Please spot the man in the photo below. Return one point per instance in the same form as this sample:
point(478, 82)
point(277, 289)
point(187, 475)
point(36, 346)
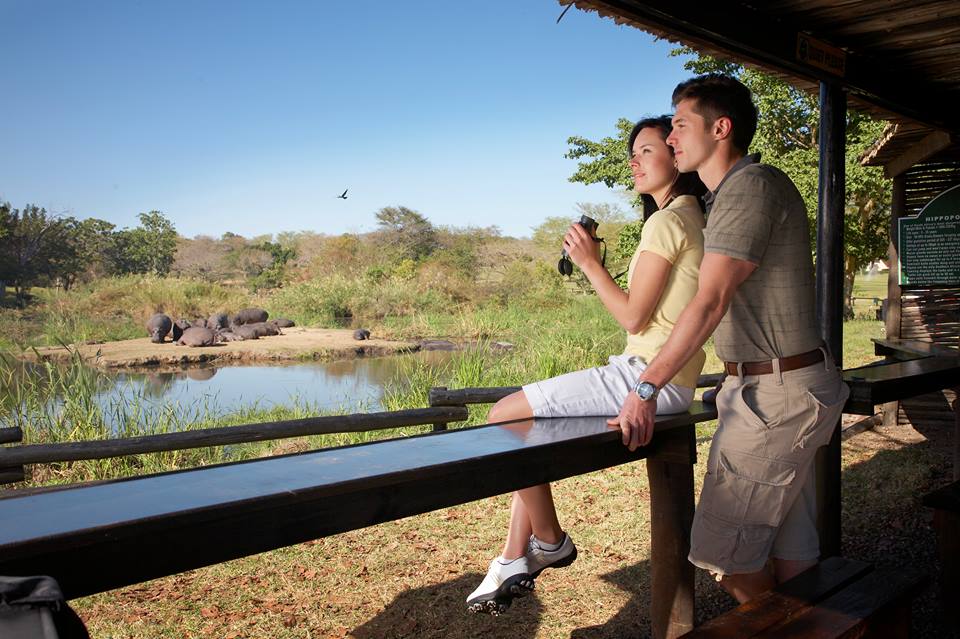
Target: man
point(755, 524)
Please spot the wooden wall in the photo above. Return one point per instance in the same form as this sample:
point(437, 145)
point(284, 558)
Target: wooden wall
point(924, 314)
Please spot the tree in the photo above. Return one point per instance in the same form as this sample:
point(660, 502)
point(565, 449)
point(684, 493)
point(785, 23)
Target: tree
point(272, 275)
point(149, 248)
point(406, 233)
point(90, 243)
point(786, 138)
point(31, 243)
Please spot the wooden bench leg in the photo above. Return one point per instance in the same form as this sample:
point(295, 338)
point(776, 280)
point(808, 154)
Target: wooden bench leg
point(671, 515)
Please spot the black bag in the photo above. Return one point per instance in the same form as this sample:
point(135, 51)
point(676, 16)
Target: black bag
point(34, 608)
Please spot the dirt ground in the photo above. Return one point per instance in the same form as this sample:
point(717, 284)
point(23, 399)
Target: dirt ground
point(409, 578)
point(294, 344)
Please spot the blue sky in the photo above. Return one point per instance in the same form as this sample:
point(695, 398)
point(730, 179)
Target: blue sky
point(251, 117)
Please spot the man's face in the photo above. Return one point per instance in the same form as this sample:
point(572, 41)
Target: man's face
point(690, 138)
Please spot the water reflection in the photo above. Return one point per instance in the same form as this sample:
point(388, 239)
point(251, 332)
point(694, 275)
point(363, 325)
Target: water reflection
point(353, 385)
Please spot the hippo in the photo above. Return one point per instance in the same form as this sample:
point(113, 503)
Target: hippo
point(277, 325)
point(217, 321)
point(196, 336)
point(249, 316)
point(283, 322)
point(361, 334)
point(179, 327)
point(201, 374)
point(158, 326)
point(227, 335)
point(263, 329)
point(201, 323)
point(245, 332)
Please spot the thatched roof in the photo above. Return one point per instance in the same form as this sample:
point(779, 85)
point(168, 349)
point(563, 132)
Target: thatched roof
point(897, 59)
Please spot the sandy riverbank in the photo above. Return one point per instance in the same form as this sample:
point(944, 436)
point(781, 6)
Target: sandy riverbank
point(294, 344)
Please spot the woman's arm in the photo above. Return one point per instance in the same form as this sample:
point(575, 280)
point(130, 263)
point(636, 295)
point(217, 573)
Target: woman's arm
point(631, 310)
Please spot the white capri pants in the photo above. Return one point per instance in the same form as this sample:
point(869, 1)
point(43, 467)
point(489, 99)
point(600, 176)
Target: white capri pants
point(600, 391)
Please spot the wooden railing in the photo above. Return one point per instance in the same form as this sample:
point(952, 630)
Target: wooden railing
point(14, 458)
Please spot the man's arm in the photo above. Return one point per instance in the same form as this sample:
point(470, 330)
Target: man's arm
point(720, 277)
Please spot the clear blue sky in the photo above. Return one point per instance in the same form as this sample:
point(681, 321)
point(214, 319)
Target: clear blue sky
point(252, 117)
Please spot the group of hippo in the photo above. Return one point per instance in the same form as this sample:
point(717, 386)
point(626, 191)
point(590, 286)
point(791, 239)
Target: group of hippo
point(250, 323)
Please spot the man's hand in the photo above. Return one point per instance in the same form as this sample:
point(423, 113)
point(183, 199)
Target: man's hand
point(636, 420)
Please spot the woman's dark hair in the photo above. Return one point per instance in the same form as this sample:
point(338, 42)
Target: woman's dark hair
point(686, 184)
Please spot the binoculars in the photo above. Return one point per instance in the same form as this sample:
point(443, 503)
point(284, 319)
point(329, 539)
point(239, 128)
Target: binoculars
point(565, 266)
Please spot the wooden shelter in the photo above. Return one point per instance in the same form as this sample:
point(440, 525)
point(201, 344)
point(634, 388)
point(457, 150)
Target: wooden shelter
point(923, 163)
point(895, 60)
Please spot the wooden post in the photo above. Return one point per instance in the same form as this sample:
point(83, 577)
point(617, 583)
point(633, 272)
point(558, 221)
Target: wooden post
point(956, 434)
point(438, 426)
point(830, 214)
point(891, 322)
point(671, 516)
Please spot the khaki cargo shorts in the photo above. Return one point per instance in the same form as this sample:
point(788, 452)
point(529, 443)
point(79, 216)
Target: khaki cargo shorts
point(759, 497)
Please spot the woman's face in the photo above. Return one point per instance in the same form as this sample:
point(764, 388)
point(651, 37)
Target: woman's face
point(651, 162)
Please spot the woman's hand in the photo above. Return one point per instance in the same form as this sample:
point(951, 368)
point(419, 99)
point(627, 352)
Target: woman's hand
point(581, 247)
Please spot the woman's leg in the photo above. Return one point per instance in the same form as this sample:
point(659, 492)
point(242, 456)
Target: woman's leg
point(532, 509)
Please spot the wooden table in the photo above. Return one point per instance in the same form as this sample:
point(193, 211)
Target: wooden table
point(98, 537)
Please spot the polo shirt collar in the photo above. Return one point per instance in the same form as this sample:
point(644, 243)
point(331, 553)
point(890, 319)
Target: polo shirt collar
point(745, 161)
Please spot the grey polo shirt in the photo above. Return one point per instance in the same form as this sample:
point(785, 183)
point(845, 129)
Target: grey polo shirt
point(757, 215)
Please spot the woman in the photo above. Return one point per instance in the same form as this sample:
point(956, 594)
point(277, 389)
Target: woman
point(662, 280)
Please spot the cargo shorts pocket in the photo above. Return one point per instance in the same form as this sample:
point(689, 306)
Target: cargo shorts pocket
point(743, 503)
point(826, 406)
point(751, 489)
point(762, 405)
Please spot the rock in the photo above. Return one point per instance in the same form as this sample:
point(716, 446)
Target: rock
point(438, 345)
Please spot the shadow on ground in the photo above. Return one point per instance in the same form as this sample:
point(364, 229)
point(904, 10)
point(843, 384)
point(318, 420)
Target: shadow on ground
point(439, 611)
point(884, 523)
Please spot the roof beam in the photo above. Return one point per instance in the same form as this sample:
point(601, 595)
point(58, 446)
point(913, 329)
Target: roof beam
point(752, 36)
point(922, 150)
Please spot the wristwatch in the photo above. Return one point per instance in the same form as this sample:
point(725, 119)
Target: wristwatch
point(646, 391)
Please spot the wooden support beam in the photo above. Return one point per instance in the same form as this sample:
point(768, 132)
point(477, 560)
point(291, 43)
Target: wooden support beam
point(925, 148)
point(749, 34)
point(671, 516)
point(830, 214)
point(892, 318)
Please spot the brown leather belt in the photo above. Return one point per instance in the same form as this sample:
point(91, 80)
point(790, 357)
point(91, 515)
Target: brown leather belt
point(786, 364)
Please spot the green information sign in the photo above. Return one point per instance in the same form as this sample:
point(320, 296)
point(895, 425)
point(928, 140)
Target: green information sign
point(929, 245)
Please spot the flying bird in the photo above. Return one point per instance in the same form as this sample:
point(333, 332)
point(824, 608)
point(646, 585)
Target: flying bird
point(343, 195)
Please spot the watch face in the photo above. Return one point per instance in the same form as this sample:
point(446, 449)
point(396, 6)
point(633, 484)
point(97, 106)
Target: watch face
point(646, 390)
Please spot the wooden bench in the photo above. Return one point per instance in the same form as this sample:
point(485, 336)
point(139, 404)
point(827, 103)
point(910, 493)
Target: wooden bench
point(945, 503)
point(837, 598)
point(882, 382)
point(93, 538)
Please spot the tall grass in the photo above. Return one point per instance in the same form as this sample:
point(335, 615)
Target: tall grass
point(112, 308)
point(58, 403)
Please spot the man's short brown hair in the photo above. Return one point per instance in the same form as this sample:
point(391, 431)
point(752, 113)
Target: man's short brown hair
point(717, 95)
